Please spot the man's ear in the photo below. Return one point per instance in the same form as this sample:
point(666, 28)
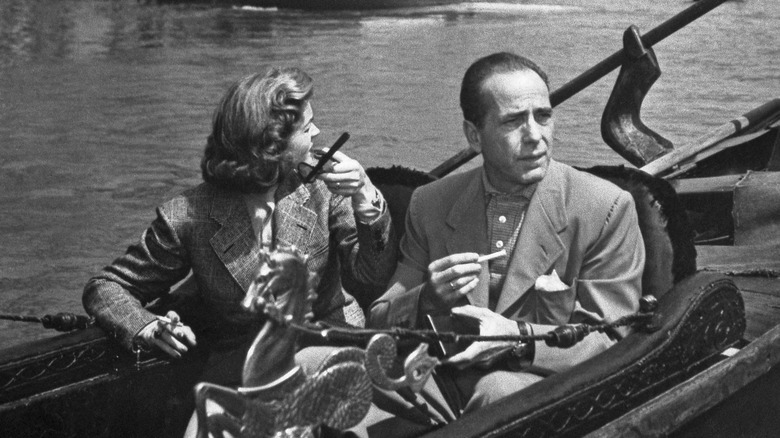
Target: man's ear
point(472, 136)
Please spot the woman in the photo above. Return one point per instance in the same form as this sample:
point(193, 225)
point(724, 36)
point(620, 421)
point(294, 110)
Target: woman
point(252, 199)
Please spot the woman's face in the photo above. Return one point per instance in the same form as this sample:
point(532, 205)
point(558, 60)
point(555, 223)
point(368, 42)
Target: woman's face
point(300, 143)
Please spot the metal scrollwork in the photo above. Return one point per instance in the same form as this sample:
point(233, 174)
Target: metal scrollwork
point(278, 399)
point(380, 355)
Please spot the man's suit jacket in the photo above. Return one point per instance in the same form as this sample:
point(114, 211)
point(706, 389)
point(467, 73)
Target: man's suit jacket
point(208, 231)
point(581, 226)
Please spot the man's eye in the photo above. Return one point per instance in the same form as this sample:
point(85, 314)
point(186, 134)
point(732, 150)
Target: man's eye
point(543, 118)
point(515, 121)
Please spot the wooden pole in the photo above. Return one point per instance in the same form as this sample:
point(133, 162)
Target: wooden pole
point(732, 127)
point(597, 72)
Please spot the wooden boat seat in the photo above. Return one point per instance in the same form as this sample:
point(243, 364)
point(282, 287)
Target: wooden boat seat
point(699, 315)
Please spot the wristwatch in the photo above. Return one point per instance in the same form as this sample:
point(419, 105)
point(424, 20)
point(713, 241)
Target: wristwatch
point(377, 201)
point(522, 353)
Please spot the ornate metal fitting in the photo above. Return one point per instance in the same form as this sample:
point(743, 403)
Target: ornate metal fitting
point(380, 355)
point(648, 303)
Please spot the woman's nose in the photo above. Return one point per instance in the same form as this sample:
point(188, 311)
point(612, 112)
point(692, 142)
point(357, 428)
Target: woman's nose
point(315, 131)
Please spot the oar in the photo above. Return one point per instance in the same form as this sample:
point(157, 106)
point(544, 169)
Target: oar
point(63, 321)
point(597, 72)
point(732, 127)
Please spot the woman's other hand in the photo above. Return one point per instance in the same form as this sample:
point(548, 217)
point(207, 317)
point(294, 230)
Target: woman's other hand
point(168, 334)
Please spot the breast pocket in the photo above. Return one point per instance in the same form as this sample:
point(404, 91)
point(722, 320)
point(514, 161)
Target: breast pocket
point(555, 307)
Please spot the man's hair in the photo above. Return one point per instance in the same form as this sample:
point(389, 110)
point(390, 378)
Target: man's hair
point(471, 101)
point(251, 129)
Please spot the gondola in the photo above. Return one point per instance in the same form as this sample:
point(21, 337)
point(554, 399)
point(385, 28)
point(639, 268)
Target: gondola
point(322, 5)
point(705, 364)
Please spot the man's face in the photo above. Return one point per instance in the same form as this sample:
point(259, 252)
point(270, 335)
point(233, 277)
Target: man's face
point(301, 140)
point(517, 131)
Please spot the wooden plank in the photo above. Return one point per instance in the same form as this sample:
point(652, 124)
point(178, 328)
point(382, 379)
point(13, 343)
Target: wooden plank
point(762, 312)
point(725, 144)
point(751, 412)
point(749, 259)
point(755, 272)
point(759, 285)
point(715, 184)
point(756, 210)
point(739, 124)
point(762, 303)
point(669, 411)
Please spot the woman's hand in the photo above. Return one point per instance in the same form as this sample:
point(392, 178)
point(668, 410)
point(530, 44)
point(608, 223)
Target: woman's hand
point(168, 334)
point(345, 176)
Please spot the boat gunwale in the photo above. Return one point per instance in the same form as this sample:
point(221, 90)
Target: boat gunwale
point(677, 406)
point(508, 416)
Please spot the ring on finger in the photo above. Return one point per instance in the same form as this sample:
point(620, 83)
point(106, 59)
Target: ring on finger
point(452, 285)
point(338, 184)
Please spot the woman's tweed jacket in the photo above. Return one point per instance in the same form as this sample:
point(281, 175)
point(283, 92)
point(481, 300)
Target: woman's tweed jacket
point(207, 231)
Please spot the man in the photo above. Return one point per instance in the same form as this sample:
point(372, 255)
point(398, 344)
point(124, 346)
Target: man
point(574, 249)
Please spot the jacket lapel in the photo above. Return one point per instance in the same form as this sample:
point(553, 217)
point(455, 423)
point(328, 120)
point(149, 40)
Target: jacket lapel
point(235, 243)
point(469, 232)
point(294, 222)
point(538, 245)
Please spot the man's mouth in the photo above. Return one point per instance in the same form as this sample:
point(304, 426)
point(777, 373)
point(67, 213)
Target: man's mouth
point(532, 158)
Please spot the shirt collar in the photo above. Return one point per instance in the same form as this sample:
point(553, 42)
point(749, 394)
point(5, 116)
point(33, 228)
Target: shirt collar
point(525, 192)
point(261, 199)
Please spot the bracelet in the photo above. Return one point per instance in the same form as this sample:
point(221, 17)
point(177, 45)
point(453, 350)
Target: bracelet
point(137, 347)
point(522, 353)
point(377, 202)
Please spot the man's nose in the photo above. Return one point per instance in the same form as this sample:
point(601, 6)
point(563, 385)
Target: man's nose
point(315, 131)
point(532, 131)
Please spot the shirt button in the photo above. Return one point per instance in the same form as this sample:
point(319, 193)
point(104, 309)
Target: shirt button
point(499, 244)
point(502, 219)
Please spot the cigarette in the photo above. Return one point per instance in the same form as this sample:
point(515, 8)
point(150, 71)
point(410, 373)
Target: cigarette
point(495, 255)
point(167, 320)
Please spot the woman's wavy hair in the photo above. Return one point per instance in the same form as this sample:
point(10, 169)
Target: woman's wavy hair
point(251, 129)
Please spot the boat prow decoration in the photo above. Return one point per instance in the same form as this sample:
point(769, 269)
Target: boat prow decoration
point(276, 395)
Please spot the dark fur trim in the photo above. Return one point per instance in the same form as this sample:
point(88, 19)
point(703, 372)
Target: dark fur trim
point(654, 192)
point(399, 175)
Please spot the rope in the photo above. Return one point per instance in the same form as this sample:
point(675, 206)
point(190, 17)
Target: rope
point(563, 336)
point(63, 322)
point(20, 318)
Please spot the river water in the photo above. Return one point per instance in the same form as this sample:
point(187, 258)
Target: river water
point(105, 104)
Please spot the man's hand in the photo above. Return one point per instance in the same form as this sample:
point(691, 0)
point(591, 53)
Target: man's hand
point(454, 276)
point(168, 334)
point(484, 354)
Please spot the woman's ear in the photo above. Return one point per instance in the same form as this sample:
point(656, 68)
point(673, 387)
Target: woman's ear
point(472, 136)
